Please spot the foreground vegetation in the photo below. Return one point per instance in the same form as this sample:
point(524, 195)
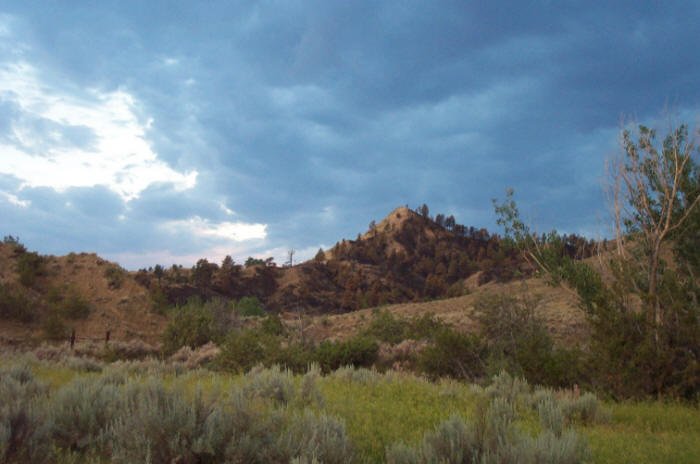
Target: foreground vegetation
point(81, 410)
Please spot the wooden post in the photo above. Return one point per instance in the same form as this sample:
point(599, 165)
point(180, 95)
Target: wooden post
point(72, 339)
point(106, 338)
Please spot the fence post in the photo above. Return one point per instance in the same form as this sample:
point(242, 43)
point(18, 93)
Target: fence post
point(72, 339)
point(107, 338)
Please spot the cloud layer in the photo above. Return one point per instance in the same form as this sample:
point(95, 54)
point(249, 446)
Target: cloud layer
point(174, 131)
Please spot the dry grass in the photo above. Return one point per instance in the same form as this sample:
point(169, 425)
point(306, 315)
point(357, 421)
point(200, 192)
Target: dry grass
point(556, 306)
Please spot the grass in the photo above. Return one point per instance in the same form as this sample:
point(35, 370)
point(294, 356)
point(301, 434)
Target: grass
point(392, 408)
point(653, 432)
point(382, 409)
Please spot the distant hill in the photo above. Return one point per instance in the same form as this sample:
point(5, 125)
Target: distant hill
point(408, 257)
point(40, 294)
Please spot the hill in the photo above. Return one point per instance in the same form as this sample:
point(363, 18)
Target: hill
point(409, 263)
point(49, 296)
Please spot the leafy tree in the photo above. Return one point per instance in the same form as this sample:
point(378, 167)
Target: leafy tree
point(645, 316)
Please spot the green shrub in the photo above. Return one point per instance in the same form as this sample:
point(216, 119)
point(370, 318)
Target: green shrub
point(190, 325)
point(293, 356)
point(115, 276)
point(518, 342)
point(273, 325)
point(74, 306)
point(426, 327)
point(387, 328)
point(54, 327)
point(453, 354)
point(244, 349)
point(30, 266)
point(15, 305)
point(358, 351)
point(159, 301)
point(249, 306)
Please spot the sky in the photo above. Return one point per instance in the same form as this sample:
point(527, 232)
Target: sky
point(162, 132)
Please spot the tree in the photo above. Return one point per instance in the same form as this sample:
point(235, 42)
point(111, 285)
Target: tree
point(423, 210)
point(202, 273)
point(290, 257)
point(644, 312)
point(650, 201)
point(440, 219)
point(320, 256)
point(159, 272)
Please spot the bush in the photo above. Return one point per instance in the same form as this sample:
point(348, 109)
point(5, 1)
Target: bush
point(294, 356)
point(53, 327)
point(387, 328)
point(244, 349)
point(15, 305)
point(24, 432)
point(493, 437)
point(30, 265)
point(312, 438)
point(273, 325)
point(518, 342)
point(80, 412)
point(249, 306)
point(309, 394)
point(115, 276)
point(155, 425)
point(455, 355)
point(358, 351)
point(272, 383)
point(74, 306)
point(159, 301)
point(191, 325)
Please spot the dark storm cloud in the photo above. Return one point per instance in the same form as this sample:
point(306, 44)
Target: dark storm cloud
point(315, 117)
